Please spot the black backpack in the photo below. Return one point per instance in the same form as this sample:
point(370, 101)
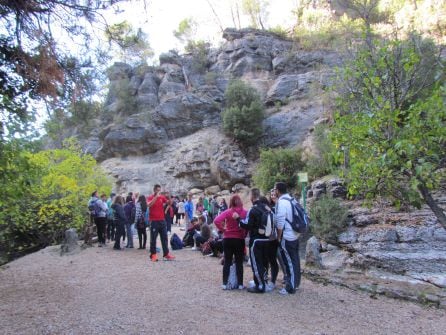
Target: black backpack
point(301, 221)
point(267, 226)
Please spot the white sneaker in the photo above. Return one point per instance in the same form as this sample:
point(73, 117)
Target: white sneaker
point(269, 287)
point(283, 291)
point(241, 287)
point(224, 287)
point(194, 248)
point(251, 283)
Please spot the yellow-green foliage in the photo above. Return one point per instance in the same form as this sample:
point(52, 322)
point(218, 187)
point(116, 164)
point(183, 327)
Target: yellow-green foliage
point(52, 198)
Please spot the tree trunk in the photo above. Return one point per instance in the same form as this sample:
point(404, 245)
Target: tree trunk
point(438, 211)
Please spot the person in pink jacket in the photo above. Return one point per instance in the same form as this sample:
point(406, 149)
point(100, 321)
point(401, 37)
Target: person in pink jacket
point(233, 239)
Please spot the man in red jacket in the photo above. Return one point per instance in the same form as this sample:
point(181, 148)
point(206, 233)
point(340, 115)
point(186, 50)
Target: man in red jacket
point(158, 224)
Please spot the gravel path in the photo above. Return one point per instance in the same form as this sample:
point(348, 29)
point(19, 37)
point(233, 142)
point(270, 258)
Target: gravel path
point(102, 291)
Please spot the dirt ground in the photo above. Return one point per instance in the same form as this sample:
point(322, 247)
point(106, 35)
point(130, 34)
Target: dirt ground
point(103, 291)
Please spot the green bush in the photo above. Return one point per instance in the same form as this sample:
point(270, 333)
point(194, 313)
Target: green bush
point(244, 113)
point(328, 218)
point(278, 165)
point(43, 194)
point(321, 162)
point(199, 51)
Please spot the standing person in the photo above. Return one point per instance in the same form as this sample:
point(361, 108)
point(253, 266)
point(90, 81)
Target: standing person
point(199, 207)
point(189, 210)
point(180, 212)
point(128, 210)
point(156, 202)
point(213, 208)
point(110, 219)
point(233, 238)
point(223, 206)
point(206, 204)
point(101, 219)
point(140, 222)
point(288, 239)
point(120, 220)
point(169, 213)
point(259, 244)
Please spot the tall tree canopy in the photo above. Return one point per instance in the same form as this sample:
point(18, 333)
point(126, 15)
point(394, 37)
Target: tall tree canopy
point(37, 60)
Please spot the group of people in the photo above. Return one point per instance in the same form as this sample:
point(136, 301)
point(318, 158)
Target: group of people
point(115, 219)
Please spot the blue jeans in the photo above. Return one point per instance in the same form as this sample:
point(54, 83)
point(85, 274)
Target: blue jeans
point(158, 227)
point(128, 228)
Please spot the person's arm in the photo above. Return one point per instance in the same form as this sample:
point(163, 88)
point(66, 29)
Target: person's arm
point(137, 213)
point(280, 218)
point(248, 222)
point(218, 221)
point(153, 200)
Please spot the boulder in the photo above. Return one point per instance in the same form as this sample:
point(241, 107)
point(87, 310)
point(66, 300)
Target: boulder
point(312, 255)
point(212, 189)
point(70, 244)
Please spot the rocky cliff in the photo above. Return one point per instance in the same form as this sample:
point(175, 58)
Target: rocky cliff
point(162, 124)
point(401, 254)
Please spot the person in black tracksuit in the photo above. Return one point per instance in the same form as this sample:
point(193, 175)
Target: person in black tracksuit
point(259, 244)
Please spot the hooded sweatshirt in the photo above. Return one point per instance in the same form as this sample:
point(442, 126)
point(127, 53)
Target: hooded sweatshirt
point(231, 229)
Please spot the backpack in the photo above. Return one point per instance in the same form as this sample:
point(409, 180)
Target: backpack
point(301, 221)
point(175, 242)
point(93, 208)
point(267, 226)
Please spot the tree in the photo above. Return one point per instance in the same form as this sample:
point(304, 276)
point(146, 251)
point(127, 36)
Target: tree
point(134, 47)
point(187, 28)
point(37, 62)
point(257, 12)
point(278, 165)
point(43, 194)
point(244, 113)
point(392, 120)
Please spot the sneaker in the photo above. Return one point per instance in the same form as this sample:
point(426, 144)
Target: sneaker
point(194, 248)
point(169, 257)
point(270, 287)
point(100, 245)
point(251, 283)
point(283, 291)
point(224, 287)
point(154, 258)
point(241, 287)
point(254, 289)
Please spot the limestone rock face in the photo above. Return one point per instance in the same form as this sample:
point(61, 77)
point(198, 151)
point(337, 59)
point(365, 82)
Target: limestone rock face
point(204, 158)
point(150, 107)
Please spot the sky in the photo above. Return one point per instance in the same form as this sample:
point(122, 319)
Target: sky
point(161, 18)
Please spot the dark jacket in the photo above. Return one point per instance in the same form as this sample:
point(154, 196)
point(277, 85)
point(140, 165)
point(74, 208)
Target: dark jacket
point(128, 208)
point(254, 220)
point(120, 217)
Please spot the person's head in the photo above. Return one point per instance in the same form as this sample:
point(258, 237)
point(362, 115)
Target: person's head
point(223, 201)
point(142, 199)
point(194, 220)
point(200, 199)
point(280, 188)
point(130, 194)
point(129, 198)
point(94, 194)
point(255, 194)
point(112, 195)
point(118, 200)
point(189, 196)
point(103, 196)
point(264, 200)
point(235, 202)
point(272, 195)
point(157, 188)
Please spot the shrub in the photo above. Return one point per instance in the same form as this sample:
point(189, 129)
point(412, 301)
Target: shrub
point(244, 113)
point(199, 51)
point(321, 162)
point(278, 165)
point(44, 194)
point(328, 218)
